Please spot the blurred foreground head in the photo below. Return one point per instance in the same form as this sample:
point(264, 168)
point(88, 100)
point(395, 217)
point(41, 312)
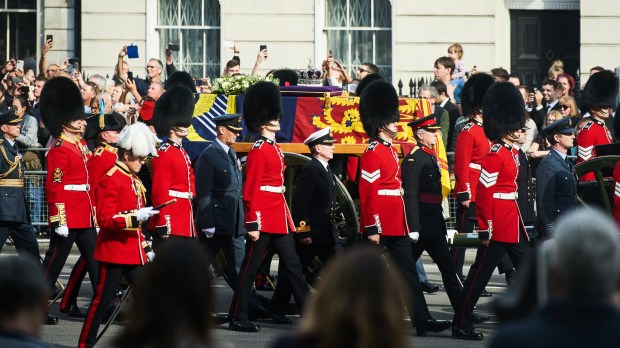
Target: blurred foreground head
point(359, 304)
point(172, 300)
point(585, 260)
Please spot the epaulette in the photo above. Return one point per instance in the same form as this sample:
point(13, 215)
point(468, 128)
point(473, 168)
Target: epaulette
point(496, 148)
point(588, 125)
point(98, 151)
point(58, 143)
point(414, 150)
point(468, 126)
point(258, 144)
point(164, 147)
point(1, 141)
point(111, 171)
point(111, 148)
point(372, 146)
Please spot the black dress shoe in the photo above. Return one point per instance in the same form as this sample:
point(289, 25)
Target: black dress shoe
point(485, 293)
point(466, 334)
point(280, 319)
point(219, 319)
point(428, 287)
point(50, 319)
point(432, 325)
point(73, 311)
point(243, 325)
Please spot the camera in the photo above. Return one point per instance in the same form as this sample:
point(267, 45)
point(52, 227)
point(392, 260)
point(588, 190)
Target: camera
point(198, 83)
point(24, 89)
point(173, 47)
point(73, 60)
point(130, 75)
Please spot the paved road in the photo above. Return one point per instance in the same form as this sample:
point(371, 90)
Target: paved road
point(66, 333)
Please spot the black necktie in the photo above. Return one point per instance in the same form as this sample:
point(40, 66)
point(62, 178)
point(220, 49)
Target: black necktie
point(330, 175)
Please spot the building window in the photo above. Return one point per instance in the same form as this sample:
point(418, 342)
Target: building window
point(18, 20)
point(360, 31)
point(195, 27)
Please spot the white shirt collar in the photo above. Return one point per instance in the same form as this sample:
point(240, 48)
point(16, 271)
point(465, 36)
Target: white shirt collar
point(444, 102)
point(325, 164)
point(224, 146)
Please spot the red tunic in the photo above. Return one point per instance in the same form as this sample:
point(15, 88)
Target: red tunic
point(381, 192)
point(119, 195)
point(173, 177)
point(102, 159)
point(497, 209)
point(265, 207)
point(472, 146)
point(594, 133)
point(69, 199)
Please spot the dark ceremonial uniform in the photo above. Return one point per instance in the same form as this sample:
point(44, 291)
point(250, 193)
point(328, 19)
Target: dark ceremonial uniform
point(266, 211)
point(616, 177)
point(314, 202)
point(422, 187)
point(383, 212)
point(219, 200)
point(120, 244)
point(102, 159)
point(594, 133)
point(70, 204)
point(556, 188)
point(173, 177)
point(472, 146)
point(14, 214)
point(499, 221)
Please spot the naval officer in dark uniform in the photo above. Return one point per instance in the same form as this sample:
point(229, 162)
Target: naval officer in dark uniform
point(314, 201)
point(14, 214)
point(218, 192)
point(556, 183)
point(422, 193)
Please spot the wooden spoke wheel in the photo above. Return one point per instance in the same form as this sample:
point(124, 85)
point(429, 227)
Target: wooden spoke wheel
point(600, 191)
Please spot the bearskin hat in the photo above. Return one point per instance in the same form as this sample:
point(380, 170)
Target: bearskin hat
point(504, 110)
point(601, 90)
point(473, 92)
point(182, 78)
point(286, 75)
point(174, 108)
point(378, 106)
point(60, 103)
point(262, 104)
point(365, 82)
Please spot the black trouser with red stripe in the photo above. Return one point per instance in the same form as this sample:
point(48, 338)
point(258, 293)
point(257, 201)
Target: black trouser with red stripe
point(480, 272)
point(254, 253)
point(60, 247)
point(72, 289)
point(110, 275)
point(401, 255)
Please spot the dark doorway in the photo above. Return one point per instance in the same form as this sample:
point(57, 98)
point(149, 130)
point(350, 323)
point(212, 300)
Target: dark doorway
point(537, 38)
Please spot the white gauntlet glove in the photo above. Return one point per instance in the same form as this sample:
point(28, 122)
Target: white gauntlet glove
point(414, 236)
point(145, 213)
point(151, 256)
point(62, 231)
point(209, 232)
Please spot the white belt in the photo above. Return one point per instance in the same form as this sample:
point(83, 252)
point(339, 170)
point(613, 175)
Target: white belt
point(387, 192)
point(83, 187)
point(274, 189)
point(475, 166)
point(507, 196)
point(178, 194)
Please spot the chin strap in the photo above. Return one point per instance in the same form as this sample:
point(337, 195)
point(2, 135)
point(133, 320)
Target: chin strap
point(388, 131)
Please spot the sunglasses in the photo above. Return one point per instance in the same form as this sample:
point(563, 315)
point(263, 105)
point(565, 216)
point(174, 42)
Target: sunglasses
point(564, 107)
point(523, 130)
